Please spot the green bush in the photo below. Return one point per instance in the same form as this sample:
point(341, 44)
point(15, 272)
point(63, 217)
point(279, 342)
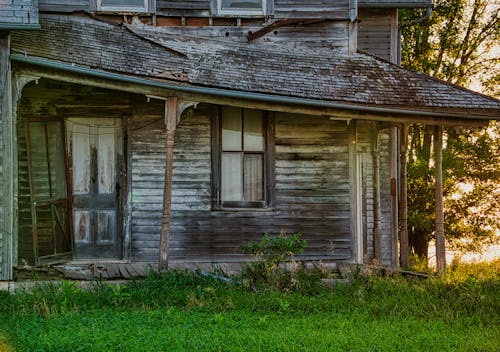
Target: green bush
point(275, 266)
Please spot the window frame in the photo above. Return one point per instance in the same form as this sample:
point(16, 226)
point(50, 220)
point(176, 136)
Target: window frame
point(268, 165)
point(147, 8)
point(266, 10)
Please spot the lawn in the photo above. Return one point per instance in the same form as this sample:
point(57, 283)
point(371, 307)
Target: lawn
point(187, 312)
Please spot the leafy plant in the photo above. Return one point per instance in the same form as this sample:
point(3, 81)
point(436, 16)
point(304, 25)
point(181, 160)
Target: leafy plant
point(275, 266)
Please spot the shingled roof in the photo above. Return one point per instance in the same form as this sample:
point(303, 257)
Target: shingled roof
point(147, 51)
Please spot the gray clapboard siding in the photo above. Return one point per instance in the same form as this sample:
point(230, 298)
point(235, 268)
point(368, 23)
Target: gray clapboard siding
point(377, 32)
point(64, 5)
point(312, 191)
point(329, 35)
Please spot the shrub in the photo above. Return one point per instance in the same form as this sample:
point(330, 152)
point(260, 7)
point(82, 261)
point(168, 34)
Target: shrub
point(275, 266)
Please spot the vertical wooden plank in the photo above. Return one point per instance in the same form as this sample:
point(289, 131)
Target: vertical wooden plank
point(7, 160)
point(170, 124)
point(394, 196)
point(404, 241)
point(438, 176)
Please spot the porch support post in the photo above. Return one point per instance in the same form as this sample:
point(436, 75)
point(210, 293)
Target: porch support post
point(438, 176)
point(377, 232)
point(404, 240)
point(170, 124)
point(394, 196)
point(6, 162)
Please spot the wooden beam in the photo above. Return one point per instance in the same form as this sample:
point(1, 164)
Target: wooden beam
point(170, 127)
point(403, 214)
point(438, 176)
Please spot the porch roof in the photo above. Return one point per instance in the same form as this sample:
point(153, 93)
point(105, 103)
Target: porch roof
point(358, 80)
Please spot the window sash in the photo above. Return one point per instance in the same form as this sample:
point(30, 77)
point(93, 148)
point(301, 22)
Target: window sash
point(241, 11)
point(102, 6)
point(251, 190)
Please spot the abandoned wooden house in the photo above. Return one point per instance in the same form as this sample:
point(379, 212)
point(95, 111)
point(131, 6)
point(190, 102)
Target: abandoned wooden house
point(174, 132)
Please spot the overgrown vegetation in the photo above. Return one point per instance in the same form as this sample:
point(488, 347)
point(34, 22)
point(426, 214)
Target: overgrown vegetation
point(186, 311)
point(275, 267)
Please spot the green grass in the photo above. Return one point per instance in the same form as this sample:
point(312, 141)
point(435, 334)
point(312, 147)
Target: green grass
point(185, 312)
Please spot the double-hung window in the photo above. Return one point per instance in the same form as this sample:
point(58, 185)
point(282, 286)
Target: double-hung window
point(124, 5)
point(242, 7)
point(242, 159)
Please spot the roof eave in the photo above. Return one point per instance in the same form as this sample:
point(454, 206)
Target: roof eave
point(246, 95)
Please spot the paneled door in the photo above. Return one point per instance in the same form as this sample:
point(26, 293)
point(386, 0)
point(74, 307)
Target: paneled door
point(96, 155)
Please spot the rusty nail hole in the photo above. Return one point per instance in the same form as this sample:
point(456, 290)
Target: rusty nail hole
point(275, 32)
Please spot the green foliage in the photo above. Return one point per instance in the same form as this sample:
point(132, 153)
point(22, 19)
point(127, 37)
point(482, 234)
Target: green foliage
point(188, 312)
point(455, 45)
point(274, 266)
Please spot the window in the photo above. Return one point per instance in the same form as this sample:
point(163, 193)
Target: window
point(241, 160)
point(242, 7)
point(123, 5)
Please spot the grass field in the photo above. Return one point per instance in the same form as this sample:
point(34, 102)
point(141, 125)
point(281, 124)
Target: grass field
point(186, 312)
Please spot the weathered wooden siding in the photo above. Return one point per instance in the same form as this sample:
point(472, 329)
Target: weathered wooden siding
point(377, 32)
point(18, 12)
point(326, 35)
point(312, 190)
point(4, 59)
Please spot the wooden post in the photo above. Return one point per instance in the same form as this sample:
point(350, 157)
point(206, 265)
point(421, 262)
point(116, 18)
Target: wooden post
point(438, 176)
point(7, 170)
point(394, 197)
point(404, 241)
point(170, 124)
point(377, 233)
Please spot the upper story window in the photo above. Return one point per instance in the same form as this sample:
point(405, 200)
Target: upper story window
point(242, 7)
point(123, 5)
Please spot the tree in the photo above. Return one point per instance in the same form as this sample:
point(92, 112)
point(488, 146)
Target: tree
point(455, 45)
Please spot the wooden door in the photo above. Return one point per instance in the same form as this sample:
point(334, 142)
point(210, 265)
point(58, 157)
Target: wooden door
point(48, 186)
point(96, 155)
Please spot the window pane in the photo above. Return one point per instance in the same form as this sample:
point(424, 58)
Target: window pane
point(231, 178)
point(106, 159)
point(81, 159)
point(254, 177)
point(123, 3)
point(231, 128)
point(241, 5)
point(254, 136)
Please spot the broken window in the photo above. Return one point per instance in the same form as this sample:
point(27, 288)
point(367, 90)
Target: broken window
point(242, 158)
